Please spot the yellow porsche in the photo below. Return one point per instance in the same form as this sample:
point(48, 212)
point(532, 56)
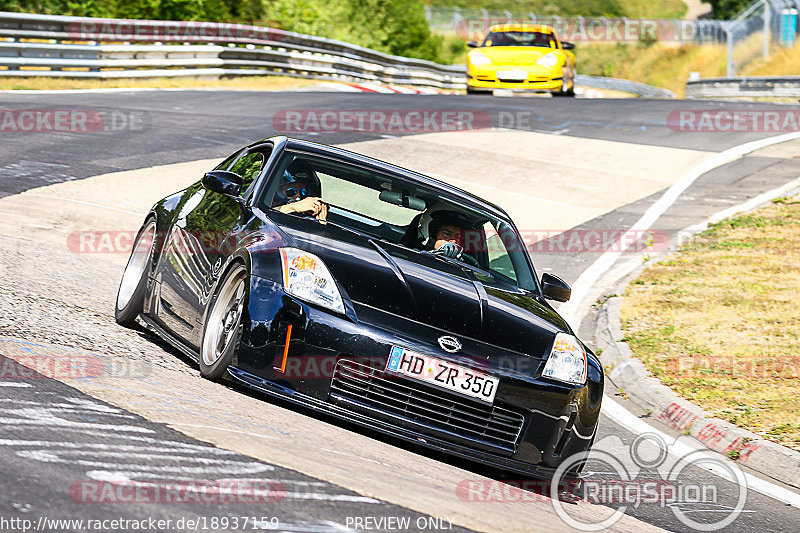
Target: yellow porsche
point(521, 57)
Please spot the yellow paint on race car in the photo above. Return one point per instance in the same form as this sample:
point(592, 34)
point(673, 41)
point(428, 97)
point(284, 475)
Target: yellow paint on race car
point(521, 56)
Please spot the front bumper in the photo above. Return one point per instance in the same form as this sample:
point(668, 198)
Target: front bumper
point(552, 420)
point(535, 78)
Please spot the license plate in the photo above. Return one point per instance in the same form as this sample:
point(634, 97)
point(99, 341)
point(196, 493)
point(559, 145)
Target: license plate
point(442, 374)
point(512, 75)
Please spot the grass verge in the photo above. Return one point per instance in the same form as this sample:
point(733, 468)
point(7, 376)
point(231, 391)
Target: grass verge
point(718, 321)
point(668, 65)
point(254, 83)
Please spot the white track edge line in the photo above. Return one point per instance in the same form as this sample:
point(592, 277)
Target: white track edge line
point(612, 408)
point(628, 420)
point(603, 263)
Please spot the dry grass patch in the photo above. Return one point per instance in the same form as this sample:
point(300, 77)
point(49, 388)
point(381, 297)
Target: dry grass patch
point(718, 321)
point(254, 83)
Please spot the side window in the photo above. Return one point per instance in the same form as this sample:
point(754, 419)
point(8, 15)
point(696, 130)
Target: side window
point(248, 167)
point(499, 259)
point(228, 160)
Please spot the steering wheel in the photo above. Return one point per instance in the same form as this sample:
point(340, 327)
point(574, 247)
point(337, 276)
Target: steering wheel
point(468, 259)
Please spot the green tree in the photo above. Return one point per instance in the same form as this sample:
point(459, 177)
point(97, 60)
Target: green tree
point(727, 9)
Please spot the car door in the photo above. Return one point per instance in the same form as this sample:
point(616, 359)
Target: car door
point(196, 248)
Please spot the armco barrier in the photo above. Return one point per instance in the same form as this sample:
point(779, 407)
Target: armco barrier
point(80, 47)
point(744, 87)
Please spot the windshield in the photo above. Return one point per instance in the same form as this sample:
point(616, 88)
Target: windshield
point(390, 209)
point(520, 38)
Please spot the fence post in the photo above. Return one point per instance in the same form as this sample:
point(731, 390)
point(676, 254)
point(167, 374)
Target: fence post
point(731, 68)
point(767, 27)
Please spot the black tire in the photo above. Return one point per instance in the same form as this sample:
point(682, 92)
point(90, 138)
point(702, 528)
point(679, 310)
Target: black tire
point(223, 324)
point(477, 91)
point(568, 92)
point(132, 286)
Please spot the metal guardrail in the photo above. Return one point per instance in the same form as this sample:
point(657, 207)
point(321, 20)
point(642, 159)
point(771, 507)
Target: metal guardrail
point(78, 47)
point(627, 86)
point(196, 48)
point(744, 87)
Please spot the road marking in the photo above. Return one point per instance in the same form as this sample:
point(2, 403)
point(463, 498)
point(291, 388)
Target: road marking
point(611, 408)
point(602, 264)
point(752, 203)
point(13, 384)
point(628, 420)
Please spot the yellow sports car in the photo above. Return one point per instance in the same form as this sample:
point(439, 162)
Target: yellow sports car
point(521, 56)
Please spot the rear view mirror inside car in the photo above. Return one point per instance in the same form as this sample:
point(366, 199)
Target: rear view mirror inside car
point(401, 199)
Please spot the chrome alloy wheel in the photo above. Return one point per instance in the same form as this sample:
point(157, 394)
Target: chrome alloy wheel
point(225, 317)
point(137, 264)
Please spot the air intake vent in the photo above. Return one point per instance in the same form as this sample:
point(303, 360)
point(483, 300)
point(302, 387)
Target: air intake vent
point(427, 406)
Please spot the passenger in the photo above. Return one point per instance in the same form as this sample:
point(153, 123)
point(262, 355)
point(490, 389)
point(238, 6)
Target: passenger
point(300, 192)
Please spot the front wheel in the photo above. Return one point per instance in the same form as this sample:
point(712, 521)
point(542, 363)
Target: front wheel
point(223, 325)
point(130, 297)
point(566, 89)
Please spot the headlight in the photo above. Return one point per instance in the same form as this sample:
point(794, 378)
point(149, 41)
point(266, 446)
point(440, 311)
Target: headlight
point(478, 59)
point(547, 60)
point(567, 361)
point(306, 277)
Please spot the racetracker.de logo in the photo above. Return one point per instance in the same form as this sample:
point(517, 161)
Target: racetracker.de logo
point(380, 121)
point(598, 29)
point(727, 121)
point(169, 31)
point(69, 121)
point(202, 492)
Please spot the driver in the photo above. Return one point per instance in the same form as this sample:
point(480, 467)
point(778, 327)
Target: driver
point(300, 192)
point(443, 233)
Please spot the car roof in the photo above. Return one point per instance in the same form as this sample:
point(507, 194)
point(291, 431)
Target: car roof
point(523, 27)
point(404, 173)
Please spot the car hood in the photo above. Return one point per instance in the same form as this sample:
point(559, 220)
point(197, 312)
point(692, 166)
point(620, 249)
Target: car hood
point(423, 288)
point(515, 55)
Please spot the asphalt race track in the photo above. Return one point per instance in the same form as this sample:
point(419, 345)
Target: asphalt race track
point(58, 443)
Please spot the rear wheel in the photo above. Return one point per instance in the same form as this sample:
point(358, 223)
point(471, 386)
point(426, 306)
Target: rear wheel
point(130, 296)
point(223, 325)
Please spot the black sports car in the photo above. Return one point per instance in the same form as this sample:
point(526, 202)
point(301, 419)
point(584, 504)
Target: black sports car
point(374, 293)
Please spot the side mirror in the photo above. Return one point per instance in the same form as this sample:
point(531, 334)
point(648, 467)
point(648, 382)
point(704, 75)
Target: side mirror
point(555, 288)
point(567, 46)
point(223, 182)
point(473, 44)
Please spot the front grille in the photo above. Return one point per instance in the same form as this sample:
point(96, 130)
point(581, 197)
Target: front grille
point(420, 404)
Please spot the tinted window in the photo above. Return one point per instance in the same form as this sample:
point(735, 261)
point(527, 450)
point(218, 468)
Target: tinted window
point(249, 166)
point(228, 160)
point(520, 38)
point(390, 208)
